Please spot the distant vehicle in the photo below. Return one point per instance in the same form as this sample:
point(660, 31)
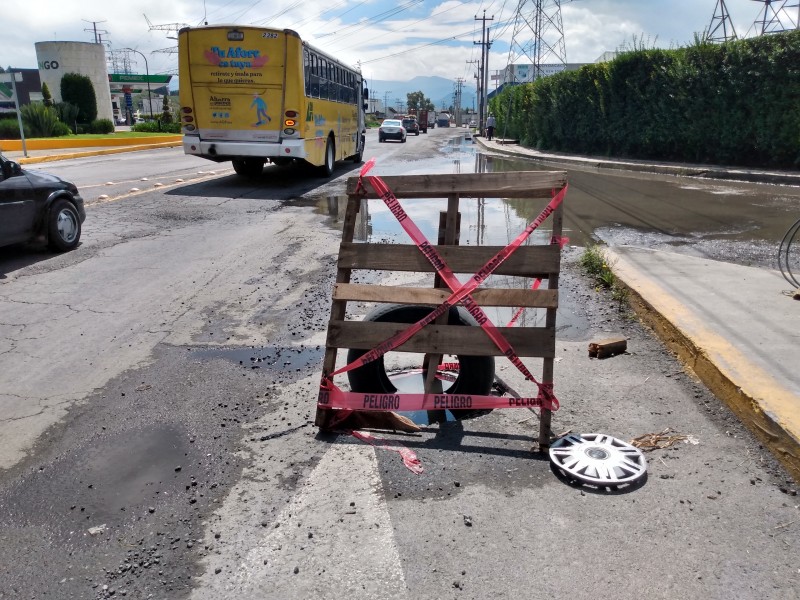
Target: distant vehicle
point(36, 205)
point(473, 124)
point(392, 129)
point(422, 119)
point(443, 120)
point(411, 125)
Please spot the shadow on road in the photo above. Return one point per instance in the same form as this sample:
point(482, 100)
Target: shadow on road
point(275, 183)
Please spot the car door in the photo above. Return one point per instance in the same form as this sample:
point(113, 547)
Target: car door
point(17, 205)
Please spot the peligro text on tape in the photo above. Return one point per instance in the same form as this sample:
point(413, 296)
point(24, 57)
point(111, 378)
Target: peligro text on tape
point(336, 398)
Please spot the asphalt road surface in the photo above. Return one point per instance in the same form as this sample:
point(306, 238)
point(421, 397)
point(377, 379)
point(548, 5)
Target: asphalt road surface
point(158, 388)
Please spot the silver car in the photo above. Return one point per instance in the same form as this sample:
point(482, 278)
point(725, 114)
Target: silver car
point(392, 129)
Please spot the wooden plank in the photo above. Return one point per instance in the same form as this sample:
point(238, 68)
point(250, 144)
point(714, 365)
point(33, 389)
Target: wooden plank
point(444, 339)
point(411, 295)
point(526, 261)
point(608, 347)
point(516, 184)
point(338, 307)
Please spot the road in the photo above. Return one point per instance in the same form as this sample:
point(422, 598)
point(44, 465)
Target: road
point(158, 389)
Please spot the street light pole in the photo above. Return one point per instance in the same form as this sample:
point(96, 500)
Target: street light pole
point(147, 72)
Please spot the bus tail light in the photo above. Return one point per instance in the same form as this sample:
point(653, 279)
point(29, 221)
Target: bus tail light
point(288, 131)
point(291, 114)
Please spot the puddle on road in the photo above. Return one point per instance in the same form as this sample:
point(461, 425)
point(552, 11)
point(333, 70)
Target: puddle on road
point(134, 467)
point(484, 222)
point(274, 358)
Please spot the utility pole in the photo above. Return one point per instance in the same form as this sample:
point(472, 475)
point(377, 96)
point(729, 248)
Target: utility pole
point(483, 70)
point(386, 104)
point(457, 100)
point(97, 32)
point(477, 87)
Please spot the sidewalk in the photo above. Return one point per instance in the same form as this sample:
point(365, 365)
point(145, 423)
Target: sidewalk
point(736, 327)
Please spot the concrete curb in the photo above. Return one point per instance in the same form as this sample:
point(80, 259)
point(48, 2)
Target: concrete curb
point(68, 143)
point(754, 405)
point(97, 152)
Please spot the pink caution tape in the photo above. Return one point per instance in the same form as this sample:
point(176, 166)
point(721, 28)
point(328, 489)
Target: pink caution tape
point(330, 396)
point(561, 241)
point(410, 459)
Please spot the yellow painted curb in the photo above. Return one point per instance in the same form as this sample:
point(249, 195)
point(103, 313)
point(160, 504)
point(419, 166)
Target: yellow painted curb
point(66, 142)
point(772, 430)
point(67, 155)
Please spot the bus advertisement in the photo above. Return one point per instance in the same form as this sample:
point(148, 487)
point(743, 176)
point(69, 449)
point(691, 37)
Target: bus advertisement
point(254, 95)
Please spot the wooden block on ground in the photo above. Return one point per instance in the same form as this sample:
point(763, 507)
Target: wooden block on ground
point(608, 347)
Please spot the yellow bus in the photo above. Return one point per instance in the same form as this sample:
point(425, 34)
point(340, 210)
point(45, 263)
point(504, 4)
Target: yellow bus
point(254, 95)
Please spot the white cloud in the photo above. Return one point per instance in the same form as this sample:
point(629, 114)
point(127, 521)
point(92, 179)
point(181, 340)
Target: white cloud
point(591, 27)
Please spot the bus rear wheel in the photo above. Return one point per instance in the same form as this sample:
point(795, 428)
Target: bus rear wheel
point(248, 167)
point(326, 170)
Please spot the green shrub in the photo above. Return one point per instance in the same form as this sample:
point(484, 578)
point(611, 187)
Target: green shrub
point(61, 129)
point(156, 127)
point(733, 103)
point(67, 113)
point(101, 126)
point(78, 90)
point(40, 119)
point(9, 129)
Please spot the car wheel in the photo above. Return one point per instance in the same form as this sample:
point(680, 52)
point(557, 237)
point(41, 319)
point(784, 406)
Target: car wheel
point(248, 167)
point(326, 170)
point(475, 375)
point(63, 226)
point(403, 139)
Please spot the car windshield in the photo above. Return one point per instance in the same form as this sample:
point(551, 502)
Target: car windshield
point(391, 123)
point(409, 121)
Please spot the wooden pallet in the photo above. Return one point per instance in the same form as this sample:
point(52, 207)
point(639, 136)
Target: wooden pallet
point(529, 261)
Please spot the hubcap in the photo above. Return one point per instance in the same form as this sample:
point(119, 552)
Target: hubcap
point(67, 226)
point(598, 459)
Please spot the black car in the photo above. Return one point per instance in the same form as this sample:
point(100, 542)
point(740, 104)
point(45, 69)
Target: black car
point(36, 205)
point(411, 125)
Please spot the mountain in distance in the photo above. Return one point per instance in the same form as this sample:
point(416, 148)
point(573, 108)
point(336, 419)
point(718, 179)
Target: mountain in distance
point(438, 89)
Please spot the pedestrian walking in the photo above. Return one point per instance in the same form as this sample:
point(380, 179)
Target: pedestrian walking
point(490, 127)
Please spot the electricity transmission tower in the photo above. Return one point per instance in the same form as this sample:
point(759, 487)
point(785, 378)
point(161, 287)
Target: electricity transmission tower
point(538, 38)
point(721, 27)
point(168, 27)
point(120, 62)
point(777, 16)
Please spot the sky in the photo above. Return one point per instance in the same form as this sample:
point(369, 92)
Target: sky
point(390, 39)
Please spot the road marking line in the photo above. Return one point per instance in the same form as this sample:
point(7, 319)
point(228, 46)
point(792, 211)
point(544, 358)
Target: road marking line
point(352, 552)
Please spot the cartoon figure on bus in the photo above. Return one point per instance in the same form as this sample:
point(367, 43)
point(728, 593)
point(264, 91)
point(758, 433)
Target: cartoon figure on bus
point(261, 110)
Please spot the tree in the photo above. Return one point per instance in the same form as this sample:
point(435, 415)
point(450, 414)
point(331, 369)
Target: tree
point(417, 101)
point(166, 112)
point(78, 90)
point(46, 95)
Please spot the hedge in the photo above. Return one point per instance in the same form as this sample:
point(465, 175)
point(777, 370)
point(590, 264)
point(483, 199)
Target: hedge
point(734, 103)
